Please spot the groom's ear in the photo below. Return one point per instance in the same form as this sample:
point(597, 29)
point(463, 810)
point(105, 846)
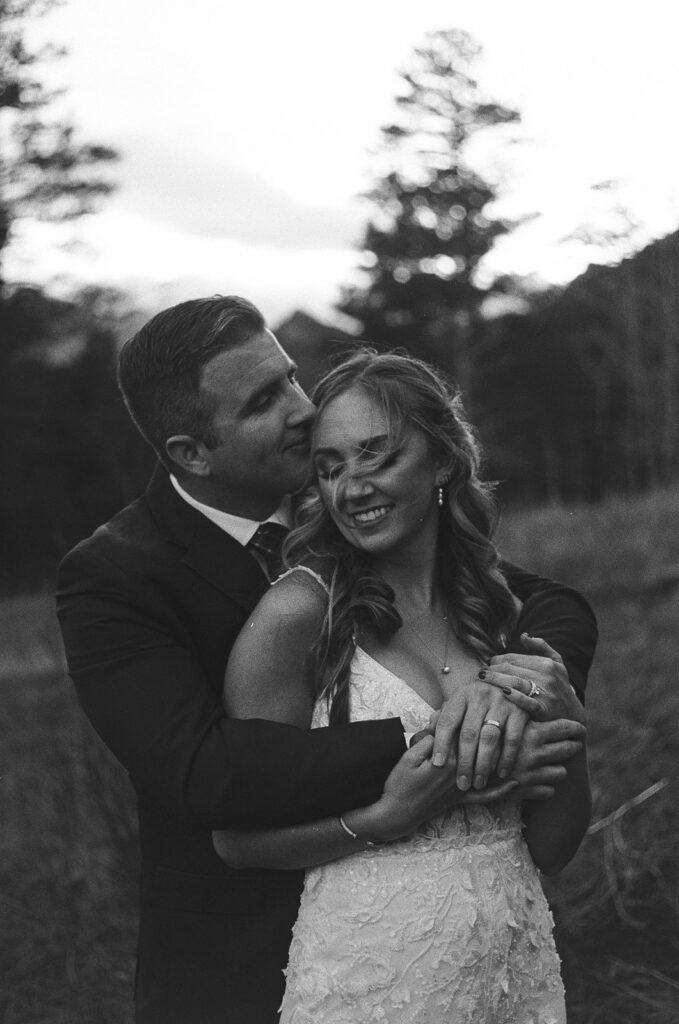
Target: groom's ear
point(188, 455)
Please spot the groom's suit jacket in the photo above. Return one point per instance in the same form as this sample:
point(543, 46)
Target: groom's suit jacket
point(149, 607)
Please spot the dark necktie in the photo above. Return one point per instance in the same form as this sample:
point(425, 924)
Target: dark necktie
point(267, 542)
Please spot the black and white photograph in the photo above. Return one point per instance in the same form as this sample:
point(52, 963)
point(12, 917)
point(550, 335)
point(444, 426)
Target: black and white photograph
point(339, 404)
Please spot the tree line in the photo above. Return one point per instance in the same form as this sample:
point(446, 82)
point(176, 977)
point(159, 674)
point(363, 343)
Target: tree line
point(578, 396)
point(575, 397)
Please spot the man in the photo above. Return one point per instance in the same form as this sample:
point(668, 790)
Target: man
point(150, 606)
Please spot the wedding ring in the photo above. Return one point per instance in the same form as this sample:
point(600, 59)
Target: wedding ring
point(533, 692)
point(491, 721)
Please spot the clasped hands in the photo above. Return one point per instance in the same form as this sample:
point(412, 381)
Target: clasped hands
point(491, 739)
point(481, 727)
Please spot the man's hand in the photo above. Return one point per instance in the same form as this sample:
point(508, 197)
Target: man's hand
point(536, 682)
point(546, 746)
point(416, 791)
point(481, 728)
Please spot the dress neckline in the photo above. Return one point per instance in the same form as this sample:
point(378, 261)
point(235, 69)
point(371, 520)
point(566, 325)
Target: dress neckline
point(392, 675)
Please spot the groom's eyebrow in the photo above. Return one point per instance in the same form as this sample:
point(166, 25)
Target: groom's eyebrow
point(274, 383)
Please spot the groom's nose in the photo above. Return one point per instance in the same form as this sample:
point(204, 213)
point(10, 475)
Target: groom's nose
point(302, 410)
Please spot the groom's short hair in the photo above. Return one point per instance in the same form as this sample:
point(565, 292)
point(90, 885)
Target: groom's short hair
point(159, 368)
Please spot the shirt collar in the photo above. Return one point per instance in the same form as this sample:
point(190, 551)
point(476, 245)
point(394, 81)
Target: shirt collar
point(242, 530)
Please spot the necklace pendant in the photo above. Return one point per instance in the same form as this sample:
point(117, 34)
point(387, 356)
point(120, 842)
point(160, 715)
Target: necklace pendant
point(445, 670)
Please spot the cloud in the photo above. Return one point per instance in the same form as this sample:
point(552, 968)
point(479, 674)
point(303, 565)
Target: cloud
point(159, 264)
point(214, 200)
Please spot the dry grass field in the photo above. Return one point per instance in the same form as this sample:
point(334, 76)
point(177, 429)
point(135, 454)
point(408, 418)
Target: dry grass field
point(67, 848)
point(617, 904)
point(67, 844)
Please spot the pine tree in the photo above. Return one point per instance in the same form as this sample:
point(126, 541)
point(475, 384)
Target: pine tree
point(431, 227)
point(45, 171)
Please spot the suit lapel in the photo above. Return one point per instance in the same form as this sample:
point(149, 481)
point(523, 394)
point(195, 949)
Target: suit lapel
point(209, 551)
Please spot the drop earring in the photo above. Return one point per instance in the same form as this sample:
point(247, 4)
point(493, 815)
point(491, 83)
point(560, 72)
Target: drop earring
point(440, 499)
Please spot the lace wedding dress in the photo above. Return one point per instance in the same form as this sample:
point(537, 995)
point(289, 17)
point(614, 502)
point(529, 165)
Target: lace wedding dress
point(448, 926)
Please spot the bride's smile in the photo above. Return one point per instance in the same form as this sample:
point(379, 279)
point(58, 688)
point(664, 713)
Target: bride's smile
point(380, 492)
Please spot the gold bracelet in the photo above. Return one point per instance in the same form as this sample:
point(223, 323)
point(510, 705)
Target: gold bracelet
point(354, 835)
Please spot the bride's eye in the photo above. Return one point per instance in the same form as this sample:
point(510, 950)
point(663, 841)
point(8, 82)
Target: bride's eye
point(329, 473)
point(390, 460)
point(387, 459)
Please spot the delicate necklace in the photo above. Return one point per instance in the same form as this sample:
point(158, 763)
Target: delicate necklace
point(445, 667)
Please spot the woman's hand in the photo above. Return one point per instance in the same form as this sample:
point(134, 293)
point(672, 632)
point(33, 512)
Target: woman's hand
point(536, 682)
point(416, 791)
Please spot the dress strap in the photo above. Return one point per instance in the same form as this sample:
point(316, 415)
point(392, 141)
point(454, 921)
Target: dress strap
point(310, 572)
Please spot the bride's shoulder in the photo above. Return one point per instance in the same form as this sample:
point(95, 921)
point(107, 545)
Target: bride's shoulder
point(304, 577)
point(298, 598)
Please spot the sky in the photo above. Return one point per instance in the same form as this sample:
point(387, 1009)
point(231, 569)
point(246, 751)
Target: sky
point(248, 131)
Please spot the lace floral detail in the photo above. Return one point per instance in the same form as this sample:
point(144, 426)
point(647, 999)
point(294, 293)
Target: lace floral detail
point(449, 926)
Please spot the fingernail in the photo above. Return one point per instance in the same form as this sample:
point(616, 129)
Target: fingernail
point(463, 782)
point(482, 674)
point(526, 636)
point(439, 760)
point(479, 782)
point(507, 690)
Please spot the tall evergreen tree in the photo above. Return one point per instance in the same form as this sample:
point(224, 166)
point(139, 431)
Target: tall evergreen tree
point(45, 171)
point(431, 227)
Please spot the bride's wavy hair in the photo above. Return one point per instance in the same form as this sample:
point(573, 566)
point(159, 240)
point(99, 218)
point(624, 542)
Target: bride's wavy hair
point(480, 607)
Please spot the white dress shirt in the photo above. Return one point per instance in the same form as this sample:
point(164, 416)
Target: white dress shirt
point(241, 529)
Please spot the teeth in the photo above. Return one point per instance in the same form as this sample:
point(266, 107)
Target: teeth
point(371, 515)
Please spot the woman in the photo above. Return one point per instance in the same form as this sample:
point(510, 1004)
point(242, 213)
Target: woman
point(395, 602)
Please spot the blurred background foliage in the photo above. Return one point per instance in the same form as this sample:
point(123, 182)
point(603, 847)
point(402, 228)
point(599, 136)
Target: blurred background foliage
point(575, 393)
